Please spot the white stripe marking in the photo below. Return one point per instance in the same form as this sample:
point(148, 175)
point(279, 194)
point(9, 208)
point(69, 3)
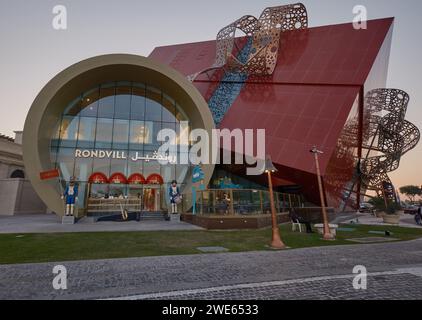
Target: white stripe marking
point(169, 294)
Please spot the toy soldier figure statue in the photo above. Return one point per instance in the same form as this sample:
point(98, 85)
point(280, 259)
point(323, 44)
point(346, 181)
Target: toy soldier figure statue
point(175, 196)
point(71, 196)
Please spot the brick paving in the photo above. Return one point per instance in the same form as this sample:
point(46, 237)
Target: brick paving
point(101, 279)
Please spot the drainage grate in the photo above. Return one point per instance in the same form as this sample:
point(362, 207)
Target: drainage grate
point(372, 240)
point(212, 249)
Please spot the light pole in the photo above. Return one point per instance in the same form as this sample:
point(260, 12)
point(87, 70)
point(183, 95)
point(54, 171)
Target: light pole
point(327, 234)
point(276, 242)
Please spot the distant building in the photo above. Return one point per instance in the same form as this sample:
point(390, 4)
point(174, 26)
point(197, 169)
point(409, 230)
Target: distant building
point(16, 193)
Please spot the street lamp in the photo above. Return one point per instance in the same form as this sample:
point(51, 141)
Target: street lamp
point(276, 242)
point(327, 233)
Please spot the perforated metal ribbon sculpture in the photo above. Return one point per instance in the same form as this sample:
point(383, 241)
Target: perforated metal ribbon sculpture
point(389, 137)
point(265, 33)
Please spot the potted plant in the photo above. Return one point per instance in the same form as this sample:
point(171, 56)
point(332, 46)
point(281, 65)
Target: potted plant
point(392, 215)
point(379, 206)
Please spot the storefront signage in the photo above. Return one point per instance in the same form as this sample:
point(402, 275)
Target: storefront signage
point(51, 174)
point(123, 155)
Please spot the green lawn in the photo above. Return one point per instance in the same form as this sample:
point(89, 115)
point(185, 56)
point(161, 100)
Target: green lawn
point(27, 248)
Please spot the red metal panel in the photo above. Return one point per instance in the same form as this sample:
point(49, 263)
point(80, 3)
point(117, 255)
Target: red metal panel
point(336, 54)
point(306, 102)
point(295, 119)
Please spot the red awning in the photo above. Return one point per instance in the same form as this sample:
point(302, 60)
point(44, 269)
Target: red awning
point(118, 178)
point(136, 178)
point(155, 179)
point(98, 178)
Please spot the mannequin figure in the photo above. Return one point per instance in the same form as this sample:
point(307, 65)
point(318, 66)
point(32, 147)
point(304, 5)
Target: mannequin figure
point(71, 196)
point(175, 196)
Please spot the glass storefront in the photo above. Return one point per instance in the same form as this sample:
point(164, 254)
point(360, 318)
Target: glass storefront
point(113, 129)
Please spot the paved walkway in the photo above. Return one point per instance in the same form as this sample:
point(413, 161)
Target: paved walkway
point(51, 224)
point(406, 220)
point(395, 272)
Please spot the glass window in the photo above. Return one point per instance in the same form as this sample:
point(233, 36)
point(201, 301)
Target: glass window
point(83, 169)
point(55, 140)
point(104, 133)
point(119, 165)
point(180, 114)
point(66, 160)
point(135, 166)
point(122, 117)
point(137, 110)
point(153, 104)
point(123, 100)
point(181, 172)
point(140, 134)
point(106, 103)
point(157, 129)
point(121, 134)
point(150, 168)
point(69, 131)
point(89, 103)
point(168, 172)
point(87, 128)
point(74, 107)
point(169, 110)
point(101, 165)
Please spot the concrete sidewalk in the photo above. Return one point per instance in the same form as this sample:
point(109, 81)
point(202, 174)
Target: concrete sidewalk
point(50, 223)
point(406, 220)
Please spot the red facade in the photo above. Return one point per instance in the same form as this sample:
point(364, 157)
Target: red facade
point(314, 97)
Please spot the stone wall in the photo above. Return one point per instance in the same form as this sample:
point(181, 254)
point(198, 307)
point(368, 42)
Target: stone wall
point(18, 197)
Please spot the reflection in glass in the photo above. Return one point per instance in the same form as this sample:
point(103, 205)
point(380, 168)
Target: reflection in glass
point(123, 98)
point(124, 117)
point(137, 109)
point(169, 109)
point(106, 104)
point(121, 134)
point(86, 136)
point(104, 133)
point(140, 133)
point(153, 104)
point(69, 131)
point(89, 103)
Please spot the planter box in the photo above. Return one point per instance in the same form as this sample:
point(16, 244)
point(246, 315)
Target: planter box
point(175, 217)
point(68, 220)
point(380, 214)
point(391, 218)
point(237, 222)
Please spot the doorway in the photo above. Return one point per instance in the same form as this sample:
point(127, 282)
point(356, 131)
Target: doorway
point(152, 198)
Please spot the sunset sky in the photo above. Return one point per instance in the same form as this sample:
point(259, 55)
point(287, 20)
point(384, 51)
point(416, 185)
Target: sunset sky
point(32, 52)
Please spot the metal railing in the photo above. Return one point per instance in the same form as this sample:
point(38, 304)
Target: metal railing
point(242, 202)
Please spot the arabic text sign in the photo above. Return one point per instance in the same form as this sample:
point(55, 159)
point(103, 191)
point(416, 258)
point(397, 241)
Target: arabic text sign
point(113, 154)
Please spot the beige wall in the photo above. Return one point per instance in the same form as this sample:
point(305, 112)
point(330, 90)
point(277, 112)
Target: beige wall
point(18, 197)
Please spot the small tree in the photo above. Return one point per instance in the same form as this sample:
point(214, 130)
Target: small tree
point(411, 192)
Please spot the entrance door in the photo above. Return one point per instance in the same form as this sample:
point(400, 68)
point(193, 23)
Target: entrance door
point(152, 198)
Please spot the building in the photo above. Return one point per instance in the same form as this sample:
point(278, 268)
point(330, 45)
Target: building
point(98, 120)
point(16, 193)
point(314, 97)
